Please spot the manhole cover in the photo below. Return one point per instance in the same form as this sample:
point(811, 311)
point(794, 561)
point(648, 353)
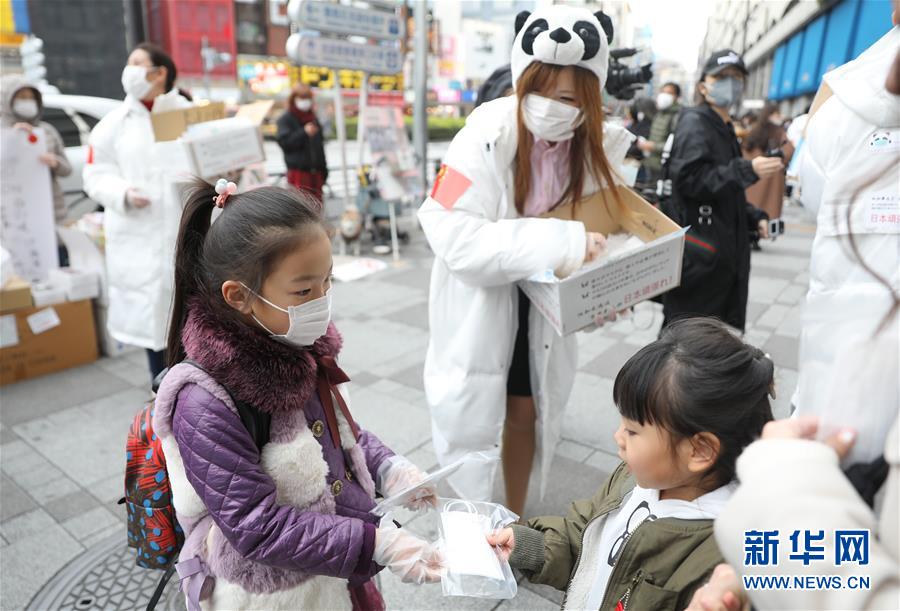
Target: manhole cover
point(106, 577)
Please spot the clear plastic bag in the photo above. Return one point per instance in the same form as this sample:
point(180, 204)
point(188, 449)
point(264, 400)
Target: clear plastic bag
point(472, 567)
point(474, 460)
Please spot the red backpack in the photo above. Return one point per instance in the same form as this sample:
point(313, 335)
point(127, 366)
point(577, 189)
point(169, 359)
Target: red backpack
point(153, 529)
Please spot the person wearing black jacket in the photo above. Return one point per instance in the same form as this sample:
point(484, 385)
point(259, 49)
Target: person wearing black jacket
point(300, 138)
point(709, 176)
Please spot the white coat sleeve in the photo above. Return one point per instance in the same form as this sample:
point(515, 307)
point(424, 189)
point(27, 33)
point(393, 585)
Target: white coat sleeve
point(482, 251)
point(102, 177)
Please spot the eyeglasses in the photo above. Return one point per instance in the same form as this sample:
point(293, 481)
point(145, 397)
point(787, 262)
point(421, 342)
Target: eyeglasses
point(640, 515)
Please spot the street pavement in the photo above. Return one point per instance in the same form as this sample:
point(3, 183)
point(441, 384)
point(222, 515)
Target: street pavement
point(62, 536)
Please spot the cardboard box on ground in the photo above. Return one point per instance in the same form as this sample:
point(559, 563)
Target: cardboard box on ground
point(617, 281)
point(37, 341)
point(215, 145)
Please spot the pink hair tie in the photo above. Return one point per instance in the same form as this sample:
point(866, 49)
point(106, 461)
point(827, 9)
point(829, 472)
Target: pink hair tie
point(224, 189)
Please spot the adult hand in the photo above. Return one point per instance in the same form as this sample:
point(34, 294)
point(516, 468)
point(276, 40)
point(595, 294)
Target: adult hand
point(723, 592)
point(766, 166)
point(311, 129)
point(806, 427)
point(136, 199)
point(645, 145)
point(503, 541)
point(50, 160)
point(763, 228)
point(410, 558)
point(595, 245)
point(25, 127)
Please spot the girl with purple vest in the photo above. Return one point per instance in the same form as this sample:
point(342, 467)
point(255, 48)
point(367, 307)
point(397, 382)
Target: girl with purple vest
point(287, 525)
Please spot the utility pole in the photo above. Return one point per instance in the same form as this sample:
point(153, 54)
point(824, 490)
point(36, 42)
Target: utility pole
point(420, 85)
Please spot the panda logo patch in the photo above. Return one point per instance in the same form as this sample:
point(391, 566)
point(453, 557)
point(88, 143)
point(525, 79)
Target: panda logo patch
point(563, 36)
point(883, 140)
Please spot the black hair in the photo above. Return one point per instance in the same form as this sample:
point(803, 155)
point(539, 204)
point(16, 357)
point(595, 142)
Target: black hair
point(700, 377)
point(160, 58)
point(674, 86)
point(254, 231)
point(764, 136)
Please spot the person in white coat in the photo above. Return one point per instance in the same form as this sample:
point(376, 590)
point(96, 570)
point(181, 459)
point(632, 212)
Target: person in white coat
point(850, 175)
point(495, 367)
point(126, 174)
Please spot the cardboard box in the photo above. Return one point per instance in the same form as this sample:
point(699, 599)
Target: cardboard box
point(47, 293)
point(15, 294)
point(618, 281)
point(37, 341)
point(170, 125)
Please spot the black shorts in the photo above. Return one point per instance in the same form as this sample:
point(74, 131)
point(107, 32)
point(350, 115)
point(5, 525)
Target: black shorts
point(519, 381)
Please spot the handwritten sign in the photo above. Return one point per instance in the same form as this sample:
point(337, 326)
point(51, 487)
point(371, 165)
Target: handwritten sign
point(27, 226)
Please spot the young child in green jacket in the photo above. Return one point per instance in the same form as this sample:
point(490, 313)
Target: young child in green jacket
point(690, 402)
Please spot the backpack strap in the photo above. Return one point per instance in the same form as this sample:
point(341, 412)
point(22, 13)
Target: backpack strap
point(163, 581)
point(257, 423)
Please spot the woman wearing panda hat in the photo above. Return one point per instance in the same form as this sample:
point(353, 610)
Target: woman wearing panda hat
point(495, 369)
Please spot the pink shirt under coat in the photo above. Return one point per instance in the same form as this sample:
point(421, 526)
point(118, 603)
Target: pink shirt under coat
point(549, 175)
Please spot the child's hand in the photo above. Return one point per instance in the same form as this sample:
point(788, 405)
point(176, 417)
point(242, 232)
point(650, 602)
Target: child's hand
point(503, 541)
point(25, 127)
point(49, 160)
point(723, 592)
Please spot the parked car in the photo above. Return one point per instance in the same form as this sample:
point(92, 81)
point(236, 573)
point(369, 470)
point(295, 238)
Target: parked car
point(74, 116)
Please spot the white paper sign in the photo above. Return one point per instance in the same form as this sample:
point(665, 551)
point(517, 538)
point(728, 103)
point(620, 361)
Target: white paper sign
point(43, 321)
point(9, 335)
point(27, 225)
point(882, 213)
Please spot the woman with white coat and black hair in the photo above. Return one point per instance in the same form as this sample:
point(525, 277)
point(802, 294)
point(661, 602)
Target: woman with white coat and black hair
point(495, 368)
point(125, 175)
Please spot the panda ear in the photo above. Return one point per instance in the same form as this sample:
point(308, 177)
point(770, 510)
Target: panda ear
point(521, 18)
point(606, 24)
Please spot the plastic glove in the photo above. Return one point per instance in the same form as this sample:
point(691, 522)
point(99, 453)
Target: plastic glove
point(410, 558)
point(397, 474)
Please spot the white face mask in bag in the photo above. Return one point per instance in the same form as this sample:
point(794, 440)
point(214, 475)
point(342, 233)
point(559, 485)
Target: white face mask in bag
point(308, 321)
point(467, 549)
point(548, 119)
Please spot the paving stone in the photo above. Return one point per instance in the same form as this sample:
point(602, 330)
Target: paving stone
point(71, 505)
point(13, 500)
point(528, 600)
point(26, 524)
point(591, 416)
point(573, 450)
point(90, 522)
point(54, 489)
point(793, 294)
point(38, 557)
point(551, 594)
point(35, 476)
point(39, 397)
point(363, 378)
point(412, 377)
point(609, 362)
point(136, 374)
point(765, 289)
point(604, 461)
point(415, 315)
point(109, 490)
point(783, 350)
point(773, 316)
point(401, 425)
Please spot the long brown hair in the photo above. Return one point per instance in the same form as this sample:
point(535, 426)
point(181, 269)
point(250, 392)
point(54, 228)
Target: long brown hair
point(587, 143)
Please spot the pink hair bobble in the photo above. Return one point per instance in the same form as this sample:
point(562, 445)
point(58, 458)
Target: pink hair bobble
point(224, 188)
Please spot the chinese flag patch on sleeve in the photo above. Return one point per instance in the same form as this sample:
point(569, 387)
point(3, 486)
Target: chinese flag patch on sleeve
point(449, 185)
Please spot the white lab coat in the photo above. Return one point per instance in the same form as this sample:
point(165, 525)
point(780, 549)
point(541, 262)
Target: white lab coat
point(852, 159)
point(140, 243)
point(482, 248)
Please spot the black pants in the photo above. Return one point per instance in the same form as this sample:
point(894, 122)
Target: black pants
point(157, 361)
point(519, 381)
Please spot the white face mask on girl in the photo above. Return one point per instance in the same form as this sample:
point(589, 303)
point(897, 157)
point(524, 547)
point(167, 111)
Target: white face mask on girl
point(308, 321)
point(303, 104)
point(548, 119)
point(134, 81)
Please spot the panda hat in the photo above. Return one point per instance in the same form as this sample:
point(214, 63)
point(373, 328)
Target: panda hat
point(564, 36)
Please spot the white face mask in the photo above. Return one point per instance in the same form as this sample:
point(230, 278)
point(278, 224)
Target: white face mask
point(134, 81)
point(26, 109)
point(303, 104)
point(548, 119)
point(664, 100)
point(308, 321)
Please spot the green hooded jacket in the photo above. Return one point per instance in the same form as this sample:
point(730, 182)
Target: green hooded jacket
point(660, 567)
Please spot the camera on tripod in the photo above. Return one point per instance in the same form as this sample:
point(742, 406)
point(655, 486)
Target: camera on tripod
point(623, 81)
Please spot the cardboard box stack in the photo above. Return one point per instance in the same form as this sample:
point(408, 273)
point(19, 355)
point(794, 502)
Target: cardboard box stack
point(47, 326)
point(620, 279)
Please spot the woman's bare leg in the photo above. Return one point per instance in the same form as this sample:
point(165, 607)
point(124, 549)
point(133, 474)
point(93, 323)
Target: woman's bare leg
point(518, 449)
